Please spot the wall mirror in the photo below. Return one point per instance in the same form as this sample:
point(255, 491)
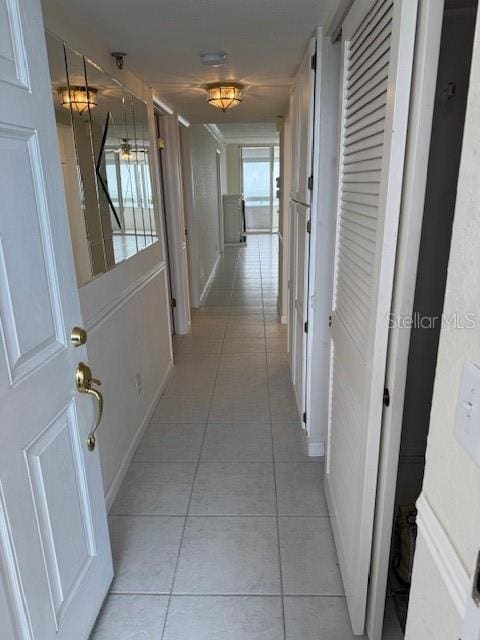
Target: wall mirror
point(105, 153)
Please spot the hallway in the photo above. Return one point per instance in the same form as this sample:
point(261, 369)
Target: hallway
point(254, 556)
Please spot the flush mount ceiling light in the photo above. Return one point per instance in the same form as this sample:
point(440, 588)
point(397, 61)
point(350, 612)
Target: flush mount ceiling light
point(78, 98)
point(224, 95)
point(213, 58)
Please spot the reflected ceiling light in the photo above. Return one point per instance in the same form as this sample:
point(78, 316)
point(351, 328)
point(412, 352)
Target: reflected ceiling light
point(78, 98)
point(213, 58)
point(224, 95)
point(128, 153)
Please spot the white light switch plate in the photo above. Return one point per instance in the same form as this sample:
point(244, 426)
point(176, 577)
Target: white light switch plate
point(467, 417)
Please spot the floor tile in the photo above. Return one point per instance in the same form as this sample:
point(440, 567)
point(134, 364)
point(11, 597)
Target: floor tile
point(144, 552)
point(245, 407)
point(309, 561)
point(232, 442)
point(229, 556)
point(244, 345)
point(200, 345)
point(276, 345)
point(224, 617)
point(173, 409)
point(131, 617)
point(245, 331)
point(283, 406)
point(317, 618)
point(290, 443)
point(276, 331)
point(300, 488)
point(246, 310)
point(234, 488)
point(211, 311)
point(155, 489)
point(170, 443)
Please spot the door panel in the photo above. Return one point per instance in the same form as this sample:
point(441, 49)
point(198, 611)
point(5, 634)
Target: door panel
point(55, 560)
point(378, 40)
point(303, 126)
point(302, 111)
point(300, 217)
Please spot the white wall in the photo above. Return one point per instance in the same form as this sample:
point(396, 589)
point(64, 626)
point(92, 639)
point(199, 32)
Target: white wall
point(206, 223)
point(125, 310)
point(233, 169)
point(449, 508)
point(125, 315)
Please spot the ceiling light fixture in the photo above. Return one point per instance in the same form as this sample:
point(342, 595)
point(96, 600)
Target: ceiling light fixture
point(78, 98)
point(128, 153)
point(224, 95)
point(213, 58)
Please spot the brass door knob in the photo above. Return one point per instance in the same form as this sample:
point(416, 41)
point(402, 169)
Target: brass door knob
point(78, 336)
point(84, 381)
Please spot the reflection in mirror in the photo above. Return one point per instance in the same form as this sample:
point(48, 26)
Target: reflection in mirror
point(104, 146)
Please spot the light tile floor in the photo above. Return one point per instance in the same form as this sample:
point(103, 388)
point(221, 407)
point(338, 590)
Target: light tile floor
point(221, 529)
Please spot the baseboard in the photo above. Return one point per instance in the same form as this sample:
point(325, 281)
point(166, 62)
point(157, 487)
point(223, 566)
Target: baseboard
point(444, 554)
point(120, 475)
point(316, 449)
point(208, 284)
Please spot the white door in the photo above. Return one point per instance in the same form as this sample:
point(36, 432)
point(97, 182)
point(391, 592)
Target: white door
point(300, 217)
point(300, 197)
point(378, 40)
point(55, 561)
point(303, 125)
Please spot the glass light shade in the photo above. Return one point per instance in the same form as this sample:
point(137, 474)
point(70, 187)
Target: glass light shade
point(224, 95)
point(78, 98)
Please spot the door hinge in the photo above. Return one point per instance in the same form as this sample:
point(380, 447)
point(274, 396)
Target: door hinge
point(160, 143)
point(305, 326)
point(386, 397)
point(186, 232)
point(304, 417)
point(313, 61)
point(330, 320)
point(310, 183)
point(309, 226)
point(173, 302)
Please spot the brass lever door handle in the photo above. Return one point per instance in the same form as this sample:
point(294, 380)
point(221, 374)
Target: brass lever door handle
point(84, 381)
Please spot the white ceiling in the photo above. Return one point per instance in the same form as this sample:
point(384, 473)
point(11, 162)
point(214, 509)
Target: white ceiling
point(264, 40)
point(249, 133)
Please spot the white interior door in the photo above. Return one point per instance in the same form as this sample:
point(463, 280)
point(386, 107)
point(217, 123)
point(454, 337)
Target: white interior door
point(55, 561)
point(300, 218)
point(303, 125)
point(378, 40)
point(300, 197)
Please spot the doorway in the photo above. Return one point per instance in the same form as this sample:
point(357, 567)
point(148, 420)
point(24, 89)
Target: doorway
point(259, 169)
point(442, 175)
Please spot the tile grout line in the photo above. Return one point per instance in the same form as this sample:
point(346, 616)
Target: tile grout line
point(197, 466)
point(277, 521)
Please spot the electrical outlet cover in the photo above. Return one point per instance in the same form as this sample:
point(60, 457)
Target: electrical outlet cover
point(467, 417)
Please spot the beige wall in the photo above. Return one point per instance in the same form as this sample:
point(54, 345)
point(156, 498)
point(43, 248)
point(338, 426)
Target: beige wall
point(450, 506)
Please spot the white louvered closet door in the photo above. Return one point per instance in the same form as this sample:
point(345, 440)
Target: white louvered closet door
point(378, 41)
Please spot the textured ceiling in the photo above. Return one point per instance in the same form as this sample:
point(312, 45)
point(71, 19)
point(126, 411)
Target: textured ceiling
point(264, 40)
